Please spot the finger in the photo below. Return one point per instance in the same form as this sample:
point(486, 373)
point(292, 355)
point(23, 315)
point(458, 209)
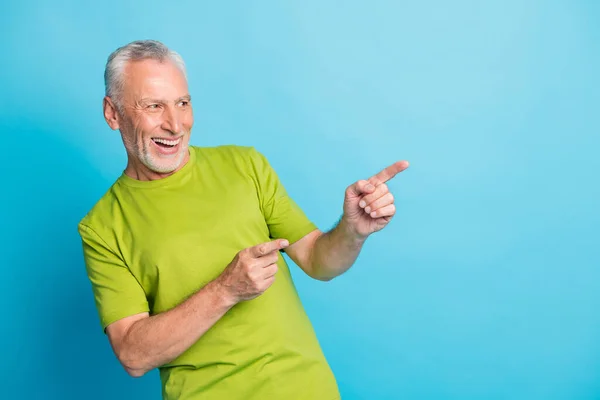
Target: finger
point(268, 282)
point(270, 271)
point(359, 188)
point(380, 191)
point(264, 249)
point(388, 173)
point(387, 211)
point(381, 202)
point(269, 259)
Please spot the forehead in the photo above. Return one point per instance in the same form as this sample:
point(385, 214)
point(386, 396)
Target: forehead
point(153, 77)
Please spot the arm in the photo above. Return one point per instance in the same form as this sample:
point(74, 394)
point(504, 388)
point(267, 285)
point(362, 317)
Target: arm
point(368, 208)
point(142, 342)
point(324, 256)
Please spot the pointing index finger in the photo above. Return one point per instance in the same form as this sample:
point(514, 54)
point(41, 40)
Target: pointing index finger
point(266, 248)
point(388, 173)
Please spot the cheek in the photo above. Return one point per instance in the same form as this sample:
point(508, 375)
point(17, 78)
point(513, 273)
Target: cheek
point(145, 126)
point(188, 120)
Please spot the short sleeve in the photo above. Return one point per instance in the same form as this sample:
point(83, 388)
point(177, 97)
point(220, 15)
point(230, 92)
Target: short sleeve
point(284, 217)
point(117, 292)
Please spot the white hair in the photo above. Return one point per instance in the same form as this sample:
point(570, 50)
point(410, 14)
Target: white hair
point(135, 51)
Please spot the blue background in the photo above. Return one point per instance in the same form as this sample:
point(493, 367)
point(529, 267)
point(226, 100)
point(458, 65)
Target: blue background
point(486, 285)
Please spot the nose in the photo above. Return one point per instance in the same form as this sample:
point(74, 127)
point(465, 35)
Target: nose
point(172, 120)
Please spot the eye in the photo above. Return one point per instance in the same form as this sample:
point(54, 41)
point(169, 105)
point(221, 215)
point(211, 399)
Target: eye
point(152, 106)
point(184, 103)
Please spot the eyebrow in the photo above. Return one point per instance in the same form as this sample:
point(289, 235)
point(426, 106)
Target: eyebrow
point(146, 100)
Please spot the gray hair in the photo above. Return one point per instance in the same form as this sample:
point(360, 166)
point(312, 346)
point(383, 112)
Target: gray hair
point(135, 51)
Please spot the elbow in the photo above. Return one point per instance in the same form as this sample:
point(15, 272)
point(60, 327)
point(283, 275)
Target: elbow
point(323, 278)
point(321, 274)
point(132, 355)
point(134, 367)
point(135, 373)
point(135, 370)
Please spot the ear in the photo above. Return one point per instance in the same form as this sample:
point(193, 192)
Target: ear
point(111, 115)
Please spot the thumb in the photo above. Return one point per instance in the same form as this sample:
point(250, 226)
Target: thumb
point(359, 188)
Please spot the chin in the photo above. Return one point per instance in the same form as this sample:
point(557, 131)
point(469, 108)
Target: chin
point(164, 165)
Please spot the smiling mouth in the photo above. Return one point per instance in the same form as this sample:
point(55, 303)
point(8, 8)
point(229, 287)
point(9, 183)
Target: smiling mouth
point(166, 143)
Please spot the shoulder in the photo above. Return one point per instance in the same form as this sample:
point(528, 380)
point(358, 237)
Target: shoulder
point(246, 158)
point(96, 218)
point(225, 151)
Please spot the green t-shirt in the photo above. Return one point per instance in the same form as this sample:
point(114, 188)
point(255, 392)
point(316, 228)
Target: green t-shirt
point(148, 245)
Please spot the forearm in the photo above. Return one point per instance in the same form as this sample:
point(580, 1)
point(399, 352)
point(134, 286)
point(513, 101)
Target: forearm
point(159, 339)
point(334, 252)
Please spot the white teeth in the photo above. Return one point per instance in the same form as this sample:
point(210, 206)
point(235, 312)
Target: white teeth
point(167, 142)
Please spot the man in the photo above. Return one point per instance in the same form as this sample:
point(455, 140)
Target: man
point(183, 251)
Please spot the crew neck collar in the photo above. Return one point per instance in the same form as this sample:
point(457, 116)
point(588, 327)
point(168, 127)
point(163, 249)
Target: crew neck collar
point(173, 178)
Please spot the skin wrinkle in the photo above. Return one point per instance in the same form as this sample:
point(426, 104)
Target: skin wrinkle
point(157, 107)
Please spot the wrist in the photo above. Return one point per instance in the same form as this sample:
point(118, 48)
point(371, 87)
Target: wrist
point(222, 294)
point(350, 233)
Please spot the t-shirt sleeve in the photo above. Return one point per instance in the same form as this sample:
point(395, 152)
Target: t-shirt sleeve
point(284, 217)
point(117, 292)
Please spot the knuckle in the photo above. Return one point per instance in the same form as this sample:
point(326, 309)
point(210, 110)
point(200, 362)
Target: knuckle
point(383, 187)
point(391, 196)
point(262, 250)
point(247, 268)
point(253, 277)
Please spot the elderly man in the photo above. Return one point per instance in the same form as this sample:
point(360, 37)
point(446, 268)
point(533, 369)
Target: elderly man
point(183, 251)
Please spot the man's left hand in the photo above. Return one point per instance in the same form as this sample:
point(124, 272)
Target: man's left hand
point(368, 204)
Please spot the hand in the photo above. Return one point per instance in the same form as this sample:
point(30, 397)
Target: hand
point(252, 271)
point(368, 204)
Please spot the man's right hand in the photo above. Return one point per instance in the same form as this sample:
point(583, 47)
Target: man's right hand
point(252, 271)
point(143, 342)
